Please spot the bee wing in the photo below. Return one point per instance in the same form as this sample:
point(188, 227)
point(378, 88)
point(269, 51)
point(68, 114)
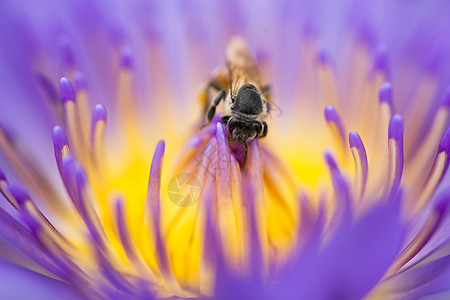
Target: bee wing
point(241, 61)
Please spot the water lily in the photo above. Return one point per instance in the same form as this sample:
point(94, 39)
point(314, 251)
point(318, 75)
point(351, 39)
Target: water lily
point(113, 190)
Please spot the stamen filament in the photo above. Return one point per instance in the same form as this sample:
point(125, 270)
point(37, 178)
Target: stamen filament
point(327, 82)
point(338, 130)
point(72, 118)
point(361, 163)
point(154, 213)
point(437, 172)
point(97, 135)
point(422, 158)
point(427, 230)
point(396, 157)
point(83, 106)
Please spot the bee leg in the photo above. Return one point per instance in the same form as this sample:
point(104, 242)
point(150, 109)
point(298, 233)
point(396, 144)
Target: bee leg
point(269, 107)
point(257, 126)
point(212, 109)
point(266, 90)
point(264, 131)
point(245, 154)
point(205, 95)
point(214, 85)
point(225, 119)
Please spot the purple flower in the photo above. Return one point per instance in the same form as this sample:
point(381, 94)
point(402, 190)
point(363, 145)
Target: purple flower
point(346, 197)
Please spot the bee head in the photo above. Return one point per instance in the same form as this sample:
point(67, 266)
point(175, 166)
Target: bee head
point(247, 101)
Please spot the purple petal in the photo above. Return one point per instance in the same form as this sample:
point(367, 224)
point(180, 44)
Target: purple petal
point(352, 263)
point(19, 283)
point(332, 116)
point(253, 183)
point(223, 172)
point(430, 276)
point(212, 245)
point(19, 236)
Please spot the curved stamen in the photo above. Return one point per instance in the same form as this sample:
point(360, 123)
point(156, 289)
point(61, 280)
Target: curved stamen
point(307, 222)
point(22, 160)
point(24, 240)
point(80, 84)
point(381, 128)
point(343, 212)
point(126, 95)
point(115, 279)
point(87, 211)
point(337, 127)
point(426, 232)
point(72, 117)
point(66, 52)
point(76, 185)
point(154, 214)
point(128, 245)
point(5, 192)
point(438, 170)
point(327, 81)
point(385, 94)
point(396, 157)
point(381, 64)
point(385, 102)
point(421, 160)
point(68, 270)
point(61, 146)
point(361, 164)
point(27, 206)
point(424, 91)
point(98, 127)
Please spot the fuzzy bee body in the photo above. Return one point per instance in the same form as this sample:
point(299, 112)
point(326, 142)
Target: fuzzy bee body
point(246, 100)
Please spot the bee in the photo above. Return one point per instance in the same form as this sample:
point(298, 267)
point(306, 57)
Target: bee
point(246, 100)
